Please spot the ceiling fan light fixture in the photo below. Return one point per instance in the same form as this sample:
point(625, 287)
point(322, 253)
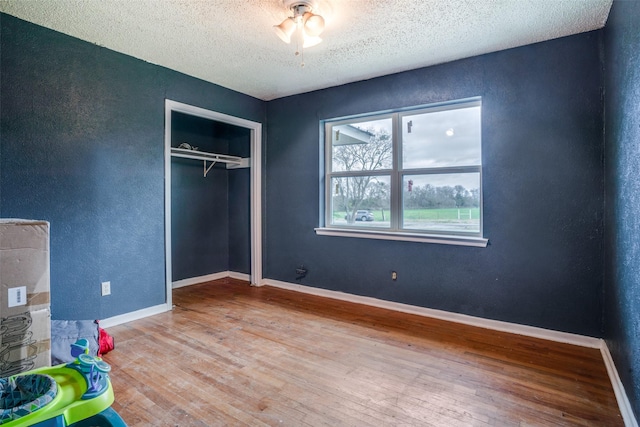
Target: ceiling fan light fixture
point(285, 30)
point(303, 25)
point(313, 24)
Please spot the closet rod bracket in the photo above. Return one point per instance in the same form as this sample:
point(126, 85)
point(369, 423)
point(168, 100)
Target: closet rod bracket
point(205, 168)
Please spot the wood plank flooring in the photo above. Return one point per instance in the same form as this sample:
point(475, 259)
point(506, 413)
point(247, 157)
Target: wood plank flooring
point(234, 355)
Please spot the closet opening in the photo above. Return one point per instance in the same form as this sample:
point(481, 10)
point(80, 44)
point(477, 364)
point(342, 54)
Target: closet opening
point(212, 197)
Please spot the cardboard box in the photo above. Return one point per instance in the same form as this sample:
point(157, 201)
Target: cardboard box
point(24, 266)
point(25, 324)
point(25, 342)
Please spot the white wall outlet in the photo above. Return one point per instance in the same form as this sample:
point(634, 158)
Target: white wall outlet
point(17, 296)
point(106, 288)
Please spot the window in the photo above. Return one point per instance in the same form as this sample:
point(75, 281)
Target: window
point(413, 173)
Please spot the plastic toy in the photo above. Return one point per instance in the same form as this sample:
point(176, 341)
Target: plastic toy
point(76, 394)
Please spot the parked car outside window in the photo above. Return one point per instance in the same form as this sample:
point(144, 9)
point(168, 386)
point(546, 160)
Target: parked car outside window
point(362, 215)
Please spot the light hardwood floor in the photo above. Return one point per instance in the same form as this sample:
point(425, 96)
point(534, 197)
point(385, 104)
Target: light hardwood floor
point(232, 355)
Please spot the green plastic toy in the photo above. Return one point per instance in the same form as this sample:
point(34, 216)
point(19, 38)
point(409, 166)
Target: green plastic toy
point(75, 394)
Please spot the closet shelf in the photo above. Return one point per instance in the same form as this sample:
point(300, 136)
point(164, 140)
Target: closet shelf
point(232, 162)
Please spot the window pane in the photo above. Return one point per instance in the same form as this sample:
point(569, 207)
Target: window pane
point(361, 201)
point(361, 146)
point(441, 138)
point(442, 202)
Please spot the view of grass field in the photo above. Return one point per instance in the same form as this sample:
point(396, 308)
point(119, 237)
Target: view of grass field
point(450, 219)
point(442, 214)
point(422, 214)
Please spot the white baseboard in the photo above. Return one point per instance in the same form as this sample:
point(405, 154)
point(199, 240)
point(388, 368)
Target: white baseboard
point(134, 315)
point(209, 277)
point(497, 325)
point(195, 280)
point(618, 388)
point(239, 276)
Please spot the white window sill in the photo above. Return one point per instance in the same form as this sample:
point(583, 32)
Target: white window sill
point(406, 237)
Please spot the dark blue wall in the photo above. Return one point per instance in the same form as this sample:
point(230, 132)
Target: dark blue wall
point(199, 220)
point(240, 205)
point(239, 221)
point(542, 143)
point(82, 146)
point(622, 112)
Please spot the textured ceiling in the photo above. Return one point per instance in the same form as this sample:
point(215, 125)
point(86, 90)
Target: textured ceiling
point(231, 42)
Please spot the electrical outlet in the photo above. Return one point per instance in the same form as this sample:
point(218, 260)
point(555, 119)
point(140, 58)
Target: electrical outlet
point(394, 275)
point(106, 288)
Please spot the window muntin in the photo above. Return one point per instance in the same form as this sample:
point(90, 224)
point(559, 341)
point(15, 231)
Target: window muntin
point(416, 171)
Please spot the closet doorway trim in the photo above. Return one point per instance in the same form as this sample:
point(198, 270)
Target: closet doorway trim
point(256, 185)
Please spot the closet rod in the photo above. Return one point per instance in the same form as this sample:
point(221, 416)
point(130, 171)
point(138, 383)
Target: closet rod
point(201, 155)
point(206, 157)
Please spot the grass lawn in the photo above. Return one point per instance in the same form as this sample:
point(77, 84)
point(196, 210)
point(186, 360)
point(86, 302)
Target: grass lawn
point(424, 214)
point(442, 214)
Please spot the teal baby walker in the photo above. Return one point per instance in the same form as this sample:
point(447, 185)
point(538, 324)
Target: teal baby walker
point(76, 394)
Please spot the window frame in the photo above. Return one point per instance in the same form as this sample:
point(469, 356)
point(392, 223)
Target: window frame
point(396, 174)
